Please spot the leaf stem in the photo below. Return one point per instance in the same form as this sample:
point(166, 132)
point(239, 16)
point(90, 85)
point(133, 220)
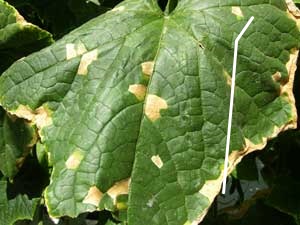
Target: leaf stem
point(171, 6)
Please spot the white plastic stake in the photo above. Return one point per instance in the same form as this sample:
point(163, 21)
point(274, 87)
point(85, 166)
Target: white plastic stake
point(236, 46)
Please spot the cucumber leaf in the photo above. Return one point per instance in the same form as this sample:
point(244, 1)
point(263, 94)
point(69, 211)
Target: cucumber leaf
point(139, 98)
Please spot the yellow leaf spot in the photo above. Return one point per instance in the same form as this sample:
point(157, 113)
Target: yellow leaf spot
point(86, 60)
point(153, 106)
point(118, 9)
point(93, 197)
point(74, 50)
point(236, 10)
point(157, 161)
point(138, 90)
point(80, 48)
point(70, 51)
point(228, 77)
point(74, 160)
point(42, 117)
point(147, 68)
point(121, 206)
point(120, 188)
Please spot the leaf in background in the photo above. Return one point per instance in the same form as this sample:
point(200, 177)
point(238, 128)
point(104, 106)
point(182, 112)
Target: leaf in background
point(16, 140)
point(259, 213)
point(18, 38)
point(137, 85)
point(285, 197)
point(15, 209)
point(60, 17)
point(285, 178)
point(30, 180)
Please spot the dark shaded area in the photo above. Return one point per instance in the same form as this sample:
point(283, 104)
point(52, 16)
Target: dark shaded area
point(31, 180)
point(163, 4)
point(260, 213)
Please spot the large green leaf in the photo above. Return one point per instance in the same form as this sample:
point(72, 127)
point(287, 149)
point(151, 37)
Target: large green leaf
point(15, 209)
point(16, 141)
point(141, 94)
point(18, 37)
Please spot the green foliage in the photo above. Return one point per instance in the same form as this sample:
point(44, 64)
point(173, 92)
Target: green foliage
point(15, 209)
point(17, 37)
point(16, 141)
point(128, 112)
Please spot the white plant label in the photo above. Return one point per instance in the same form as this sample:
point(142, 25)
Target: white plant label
point(236, 46)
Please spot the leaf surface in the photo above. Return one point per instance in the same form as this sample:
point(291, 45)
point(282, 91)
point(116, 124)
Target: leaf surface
point(290, 204)
point(137, 93)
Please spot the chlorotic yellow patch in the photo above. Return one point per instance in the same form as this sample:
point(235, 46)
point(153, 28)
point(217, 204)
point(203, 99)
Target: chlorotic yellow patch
point(93, 197)
point(147, 68)
point(236, 10)
point(74, 50)
point(120, 188)
point(138, 90)
point(153, 106)
point(41, 116)
point(74, 160)
point(227, 76)
point(70, 51)
point(157, 161)
point(86, 60)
